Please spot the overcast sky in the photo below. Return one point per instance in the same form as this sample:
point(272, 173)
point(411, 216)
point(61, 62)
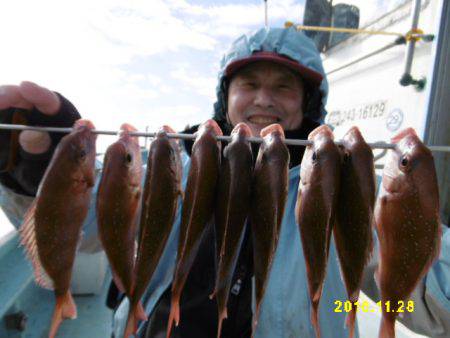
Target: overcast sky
point(143, 62)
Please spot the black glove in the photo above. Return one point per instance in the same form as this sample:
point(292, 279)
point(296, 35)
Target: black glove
point(22, 171)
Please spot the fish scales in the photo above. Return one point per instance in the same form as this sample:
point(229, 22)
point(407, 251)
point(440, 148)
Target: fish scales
point(197, 210)
point(353, 228)
point(52, 225)
point(233, 204)
point(407, 223)
point(269, 193)
point(316, 209)
point(162, 189)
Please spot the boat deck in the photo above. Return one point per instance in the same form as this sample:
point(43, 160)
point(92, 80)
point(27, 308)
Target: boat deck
point(19, 294)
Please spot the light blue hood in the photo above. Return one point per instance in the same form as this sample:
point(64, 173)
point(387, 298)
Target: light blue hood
point(284, 41)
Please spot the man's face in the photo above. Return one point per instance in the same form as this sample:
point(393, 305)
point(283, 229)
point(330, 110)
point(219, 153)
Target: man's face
point(263, 93)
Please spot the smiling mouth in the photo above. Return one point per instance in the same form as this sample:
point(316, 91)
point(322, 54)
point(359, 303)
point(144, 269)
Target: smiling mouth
point(263, 119)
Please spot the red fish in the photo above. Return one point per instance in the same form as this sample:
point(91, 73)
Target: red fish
point(159, 203)
point(407, 222)
point(315, 209)
point(353, 228)
point(270, 188)
point(231, 213)
point(118, 201)
point(52, 225)
point(197, 208)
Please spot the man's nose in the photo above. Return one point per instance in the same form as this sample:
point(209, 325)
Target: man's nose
point(264, 97)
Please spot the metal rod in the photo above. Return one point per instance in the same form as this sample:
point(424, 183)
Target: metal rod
point(293, 142)
point(398, 41)
point(146, 139)
point(266, 16)
point(406, 77)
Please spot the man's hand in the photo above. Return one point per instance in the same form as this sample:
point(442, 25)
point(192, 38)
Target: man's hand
point(29, 95)
point(30, 150)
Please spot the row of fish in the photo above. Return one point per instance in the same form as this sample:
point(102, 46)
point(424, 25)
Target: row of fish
point(336, 194)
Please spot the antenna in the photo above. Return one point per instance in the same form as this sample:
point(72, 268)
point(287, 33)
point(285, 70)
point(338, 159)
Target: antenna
point(266, 19)
point(146, 139)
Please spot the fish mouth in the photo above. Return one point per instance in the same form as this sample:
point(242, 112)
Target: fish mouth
point(242, 129)
point(210, 125)
point(391, 183)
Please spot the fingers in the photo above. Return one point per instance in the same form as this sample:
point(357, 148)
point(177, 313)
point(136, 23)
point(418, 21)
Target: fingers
point(34, 142)
point(10, 96)
point(28, 95)
point(42, 98)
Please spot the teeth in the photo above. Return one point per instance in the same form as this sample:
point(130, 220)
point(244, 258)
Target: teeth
point(262, 119)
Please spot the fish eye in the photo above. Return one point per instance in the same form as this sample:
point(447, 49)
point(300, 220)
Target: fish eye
point(314, 156)
point(347, 157)
point(129, 158)
point(404, 161)
point(82, 153)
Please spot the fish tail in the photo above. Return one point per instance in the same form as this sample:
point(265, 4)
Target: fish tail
point(223, 315)
point(387, 328)
point(140, 312)
point(315, 318)
point(213, 294)
point(174, 315)
point(28, 240)
point(135, 314)
point(131, 327)
point(255, 320)
point(350, 322)
point(65, 308)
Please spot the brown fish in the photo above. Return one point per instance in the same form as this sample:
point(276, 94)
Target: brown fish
point(162, 188)
point(407, 222)
point(52, 225)
point(233, 203)
point(270, 188)
point(197, 208)
point(354, 217)
point(118, 201)
point(315, 209)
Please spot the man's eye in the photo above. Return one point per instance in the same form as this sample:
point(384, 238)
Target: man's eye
point(284, 87)
point(249, 84)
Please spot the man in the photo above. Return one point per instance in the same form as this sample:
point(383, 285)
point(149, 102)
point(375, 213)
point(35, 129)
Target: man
point(271, 76)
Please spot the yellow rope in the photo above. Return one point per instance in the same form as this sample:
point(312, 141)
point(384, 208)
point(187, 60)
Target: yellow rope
point(413, 34)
